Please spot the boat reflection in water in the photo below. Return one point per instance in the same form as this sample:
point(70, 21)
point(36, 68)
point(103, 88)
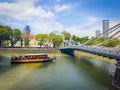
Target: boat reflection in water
point(32, 58)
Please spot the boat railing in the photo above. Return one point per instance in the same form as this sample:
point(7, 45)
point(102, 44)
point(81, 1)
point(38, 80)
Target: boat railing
point(29, 57)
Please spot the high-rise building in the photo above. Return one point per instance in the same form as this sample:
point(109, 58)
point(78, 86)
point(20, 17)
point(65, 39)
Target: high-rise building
point(105, 28)
point(27, 29)
point(26, 32)
point(97, 33)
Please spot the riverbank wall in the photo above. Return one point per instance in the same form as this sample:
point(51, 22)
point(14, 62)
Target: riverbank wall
point(29, 50)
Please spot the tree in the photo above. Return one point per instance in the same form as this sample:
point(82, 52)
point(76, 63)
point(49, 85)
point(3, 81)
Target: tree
point(41, 38)
point(5, 32)
point(66, 35)
point(25, 39)
point(84, 39)
point(15, 36)
point(76, 38)
point(112, 42)
point(97, 40)
point(80, 39)
point(56, 39)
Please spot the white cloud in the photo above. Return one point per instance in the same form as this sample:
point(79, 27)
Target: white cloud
point(45, 27)
point(92, 19)
point(59, 7)
point(49, 26)
point(87, 27)
point(114, 22)
point(81, 31)
point(23, 10)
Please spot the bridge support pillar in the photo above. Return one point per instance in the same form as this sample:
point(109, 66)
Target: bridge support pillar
point(116, 81)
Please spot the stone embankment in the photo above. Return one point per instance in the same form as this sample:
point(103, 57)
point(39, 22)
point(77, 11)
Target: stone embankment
point(30, 50)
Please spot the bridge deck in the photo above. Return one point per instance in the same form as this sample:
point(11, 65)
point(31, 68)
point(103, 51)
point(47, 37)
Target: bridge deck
point(96, 50)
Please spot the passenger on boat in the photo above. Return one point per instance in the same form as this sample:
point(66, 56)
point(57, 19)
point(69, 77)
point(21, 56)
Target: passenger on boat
point(30, 57)
point(24, 58)
point(14, 58)
point(20, 57)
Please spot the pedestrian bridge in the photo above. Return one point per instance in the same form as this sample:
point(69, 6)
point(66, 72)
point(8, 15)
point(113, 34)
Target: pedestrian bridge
point(105, 52)
point(97, 50)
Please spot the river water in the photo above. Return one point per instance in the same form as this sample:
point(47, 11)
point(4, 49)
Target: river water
point(64, 73)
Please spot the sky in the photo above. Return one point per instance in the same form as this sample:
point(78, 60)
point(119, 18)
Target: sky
point(79, 17)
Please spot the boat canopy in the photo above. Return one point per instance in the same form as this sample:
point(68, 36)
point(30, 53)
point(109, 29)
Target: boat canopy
point(36, 54)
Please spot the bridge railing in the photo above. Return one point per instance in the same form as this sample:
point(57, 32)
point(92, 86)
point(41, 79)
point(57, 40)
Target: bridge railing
point(104, 51)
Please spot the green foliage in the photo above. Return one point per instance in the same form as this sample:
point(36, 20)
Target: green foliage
point(112, 42)
point(26, 41)
point(15, 36)
point(5, 33)
point(76, 38)
point(80, 39)
point(41, 38)
point(66, 35)
point(98, 40)
point(84, 39)
point(56, 39)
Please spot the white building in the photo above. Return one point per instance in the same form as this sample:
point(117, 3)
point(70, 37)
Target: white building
point(47, 44)
point(33, 43)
